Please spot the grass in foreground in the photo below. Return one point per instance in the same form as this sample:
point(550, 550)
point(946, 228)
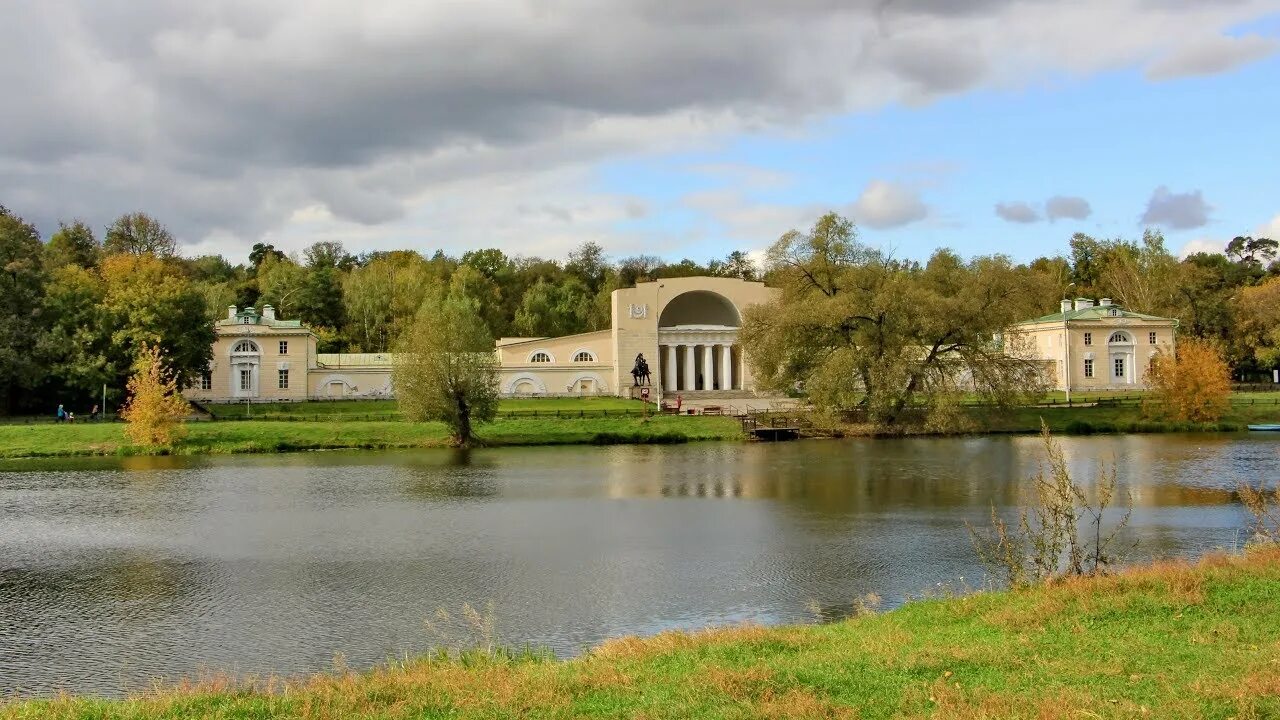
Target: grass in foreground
point(1173, 640)
point(264, 436)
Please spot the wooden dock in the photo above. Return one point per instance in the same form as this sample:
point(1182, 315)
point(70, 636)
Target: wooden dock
point(773, 428)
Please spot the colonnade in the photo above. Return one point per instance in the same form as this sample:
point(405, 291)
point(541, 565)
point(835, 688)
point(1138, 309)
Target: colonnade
point(680, 366)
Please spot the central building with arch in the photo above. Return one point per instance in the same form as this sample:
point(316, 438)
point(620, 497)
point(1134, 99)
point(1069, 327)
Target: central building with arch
point(686, 329)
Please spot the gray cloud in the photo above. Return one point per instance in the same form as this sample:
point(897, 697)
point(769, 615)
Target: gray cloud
point(1211, 56)
point(1176, 211)
point(1067, 207)
point(226, 118)
point(1017, 212)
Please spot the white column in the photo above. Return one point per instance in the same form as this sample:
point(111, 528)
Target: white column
point(669, 369)
point(690, 370)
point(708, 367)
point(726, 367)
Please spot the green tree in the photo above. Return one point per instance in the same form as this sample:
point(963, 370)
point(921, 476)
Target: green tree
point(736, 265)
point(472, 284)
point(382, 296)
point(151, 302)
point(446, 369)
point(138, 233)
point(72, 244)
point(76, 349)
point(1258, 310)
point(21, 292)
point(856, 328)
point(589, 265)
point(550, 310)
point(281, 283)
point(261, 251)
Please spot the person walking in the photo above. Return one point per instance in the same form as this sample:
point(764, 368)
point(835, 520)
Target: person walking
point(62, 414)
point(94, 413)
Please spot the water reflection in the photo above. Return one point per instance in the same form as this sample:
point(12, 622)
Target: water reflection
point(116, 571)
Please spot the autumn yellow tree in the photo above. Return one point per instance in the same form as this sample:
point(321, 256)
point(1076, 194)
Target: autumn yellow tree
point(154, 410)
point(1193, 384)
point(1258, 325)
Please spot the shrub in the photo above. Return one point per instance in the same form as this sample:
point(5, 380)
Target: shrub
point(155, 410)
point(1193, 385)
point(1048, 540)
point(1265, 509)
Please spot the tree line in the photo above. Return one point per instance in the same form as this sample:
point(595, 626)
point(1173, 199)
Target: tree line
point(76, 310)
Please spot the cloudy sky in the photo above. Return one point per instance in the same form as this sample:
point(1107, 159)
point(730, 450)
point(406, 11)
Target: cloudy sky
point(685, 129)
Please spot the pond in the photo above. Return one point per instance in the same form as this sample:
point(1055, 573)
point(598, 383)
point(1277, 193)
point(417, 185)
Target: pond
point(116, 572)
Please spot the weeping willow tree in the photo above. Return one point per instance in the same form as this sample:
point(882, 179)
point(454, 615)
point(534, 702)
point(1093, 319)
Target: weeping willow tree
point(853, 327)
point(445, 367)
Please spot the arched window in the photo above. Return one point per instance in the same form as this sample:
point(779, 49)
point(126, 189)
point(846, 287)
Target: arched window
point(584, 356)
point(540, 357)
point(245, 346)
point(1118, 338)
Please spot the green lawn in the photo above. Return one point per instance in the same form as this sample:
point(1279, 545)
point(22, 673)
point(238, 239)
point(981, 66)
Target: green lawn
point(1170, 641)
point(1125, 418)
point(386, 409)
point(259, 436)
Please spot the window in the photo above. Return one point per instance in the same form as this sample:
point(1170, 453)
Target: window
point(284, 379)
point(246, 380)
point(244, 346)
point(1088, 368)
point(540, 357)
point(1088, 338)
point(206, 381)
point(246, 320)
point(1118, 338)
point(1119, 367)
point(584, 356)
point(284, 347)
point(1151, 338)
point(1113, 312)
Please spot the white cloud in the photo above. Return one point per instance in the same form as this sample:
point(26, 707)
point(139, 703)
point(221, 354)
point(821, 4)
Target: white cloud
point(1201, 244)
point(884, 204)
point(1269, 230)
point(1212, 55)
point(1176, 211)
point(225, 118)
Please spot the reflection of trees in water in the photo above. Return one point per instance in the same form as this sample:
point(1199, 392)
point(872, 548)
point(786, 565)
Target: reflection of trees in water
point(837, 477)
point(453, 473)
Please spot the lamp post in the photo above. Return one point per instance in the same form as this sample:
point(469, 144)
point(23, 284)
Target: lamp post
point(660, 360)
point(1066, 343)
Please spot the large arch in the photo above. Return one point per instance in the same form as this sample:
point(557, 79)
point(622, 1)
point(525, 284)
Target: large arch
point(700, 307)
point(601, 386)
point(525, 379)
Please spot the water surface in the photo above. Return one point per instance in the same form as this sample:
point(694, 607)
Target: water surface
point(115, 572)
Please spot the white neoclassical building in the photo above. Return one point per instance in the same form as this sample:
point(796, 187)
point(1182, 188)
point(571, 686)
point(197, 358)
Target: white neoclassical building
point(1088, 346)
point(686, 328)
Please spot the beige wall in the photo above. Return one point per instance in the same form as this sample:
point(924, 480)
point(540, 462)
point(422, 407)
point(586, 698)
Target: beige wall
point(637, 312)
point(519, 375)
point(296, 359)
point(1047, 341)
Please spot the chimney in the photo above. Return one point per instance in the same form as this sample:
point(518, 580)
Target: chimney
point(1066, 305)
point(231, 312)
point(268, 312)
point(1083, 303)
point(1104, 302)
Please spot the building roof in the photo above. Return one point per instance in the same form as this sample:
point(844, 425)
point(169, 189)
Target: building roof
point(352, 360)
point(256, 318)
point(1096, 312)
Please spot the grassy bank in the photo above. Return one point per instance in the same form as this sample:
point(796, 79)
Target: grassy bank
point(1168, 641)
point(388, 410)
point(1103, 419)
point(264, 436)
